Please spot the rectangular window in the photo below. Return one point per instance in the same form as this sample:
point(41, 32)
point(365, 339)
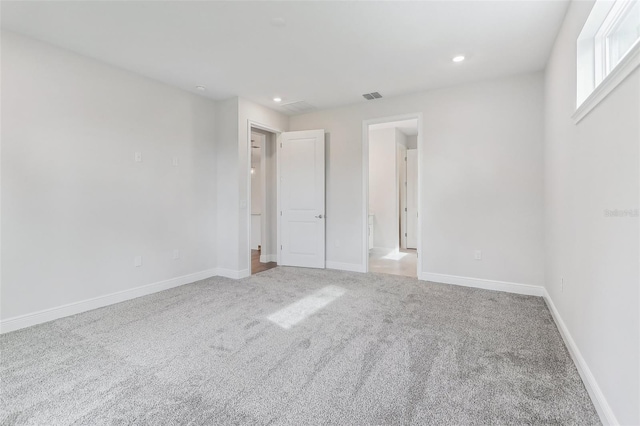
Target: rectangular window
point(607, 51)
point(624, 35)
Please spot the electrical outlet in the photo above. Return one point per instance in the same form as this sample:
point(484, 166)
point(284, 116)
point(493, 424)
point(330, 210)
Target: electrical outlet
point(137, 157)
point(174, 161)
point(137, 261)
point(478, 255)
point(176, 254)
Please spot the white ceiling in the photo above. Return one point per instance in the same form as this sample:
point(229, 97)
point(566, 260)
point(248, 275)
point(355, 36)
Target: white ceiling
point(408, 127)
point(326, 53)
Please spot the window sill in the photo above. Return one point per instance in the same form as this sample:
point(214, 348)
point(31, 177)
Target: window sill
point(626, 66)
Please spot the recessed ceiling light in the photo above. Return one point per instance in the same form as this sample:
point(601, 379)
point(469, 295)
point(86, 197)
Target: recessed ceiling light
point(276, 99)
point(458, 58)
point(201, 88)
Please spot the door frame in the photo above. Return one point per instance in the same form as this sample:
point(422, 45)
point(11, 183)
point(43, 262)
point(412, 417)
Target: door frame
point(415, 155)
point(365, 183)
point(402, 204)
point(259, 126)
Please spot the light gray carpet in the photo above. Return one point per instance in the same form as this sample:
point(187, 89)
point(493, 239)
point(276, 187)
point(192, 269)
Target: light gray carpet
point(388, 350)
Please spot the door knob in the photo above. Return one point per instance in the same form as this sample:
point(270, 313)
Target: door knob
point(319, 216)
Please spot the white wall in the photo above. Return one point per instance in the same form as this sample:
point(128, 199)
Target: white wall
point(76, 208)
point(481, 182)
point(591, 167)
point(402, 139)
point(412, 142)
point(256, 231)
point(383, 188)
point(227, 187)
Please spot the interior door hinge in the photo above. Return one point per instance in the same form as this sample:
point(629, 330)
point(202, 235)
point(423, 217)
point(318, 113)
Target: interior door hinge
point(280, 212)
point(280, 144)
point(405, 234)
point(405, 209)
point(280, 248)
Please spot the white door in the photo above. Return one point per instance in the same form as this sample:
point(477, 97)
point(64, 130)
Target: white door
point(412, 198)
point(301, 199)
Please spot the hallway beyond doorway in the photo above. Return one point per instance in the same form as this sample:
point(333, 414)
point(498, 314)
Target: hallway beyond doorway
point(392, 262)
point(257, 266)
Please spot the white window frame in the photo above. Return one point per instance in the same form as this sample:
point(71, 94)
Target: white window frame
point(596, 76)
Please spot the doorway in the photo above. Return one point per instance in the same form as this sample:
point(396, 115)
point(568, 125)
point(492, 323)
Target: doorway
point(263, 186)
point(391, 159)
point(286, 187)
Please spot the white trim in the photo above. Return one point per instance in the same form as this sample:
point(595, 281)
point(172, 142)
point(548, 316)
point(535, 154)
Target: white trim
point(351, 267)
point(46, 315)
point(264, 227)
point(597, 397)
point(234, 274)
point(365, 183)
point(620, 72)
point(365, 195)
point(265, 258)
point(517, 288)
point(278, 207)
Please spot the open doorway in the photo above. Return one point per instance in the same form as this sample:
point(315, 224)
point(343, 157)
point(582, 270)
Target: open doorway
point(263, 231)
point(286, 176)
point(392, 219)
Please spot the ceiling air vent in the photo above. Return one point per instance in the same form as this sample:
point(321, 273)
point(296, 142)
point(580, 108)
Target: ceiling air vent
point(297, 107)
point(371, 96)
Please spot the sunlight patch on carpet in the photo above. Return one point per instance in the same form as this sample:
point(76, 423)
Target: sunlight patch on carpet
point(305, 307)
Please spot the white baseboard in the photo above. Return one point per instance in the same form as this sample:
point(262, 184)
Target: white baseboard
point(527, 289)
point(264, 258)
point(233, 273)
point(27, 320)
point(351, 267)
point(597, 397)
